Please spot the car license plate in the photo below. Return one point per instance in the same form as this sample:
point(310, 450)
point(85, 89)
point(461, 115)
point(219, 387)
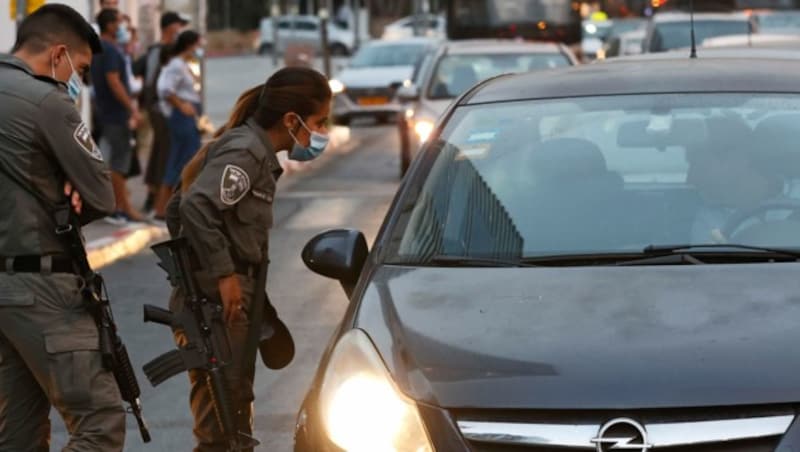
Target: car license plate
point(373, 100)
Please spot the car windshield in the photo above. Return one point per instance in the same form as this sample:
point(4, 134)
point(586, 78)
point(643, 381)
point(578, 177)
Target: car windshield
point(387, 55)
point(677, 35)
point(780, 22)
point(457, 73)
point(607, 175)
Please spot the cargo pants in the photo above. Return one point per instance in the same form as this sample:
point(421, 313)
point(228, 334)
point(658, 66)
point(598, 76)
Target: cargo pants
point(49, 356)
point(206, 430)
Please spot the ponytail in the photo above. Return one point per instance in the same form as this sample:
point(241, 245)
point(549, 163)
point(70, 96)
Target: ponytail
point(245, 107)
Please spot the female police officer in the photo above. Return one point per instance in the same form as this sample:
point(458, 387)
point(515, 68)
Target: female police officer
point(225, 211)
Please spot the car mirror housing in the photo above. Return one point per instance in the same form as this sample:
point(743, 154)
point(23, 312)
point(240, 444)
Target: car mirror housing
point(339, 254)
point(408, 92)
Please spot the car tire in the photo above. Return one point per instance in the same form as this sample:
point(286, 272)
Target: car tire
point(405, 148)
point(338, 49)
point(265, 49)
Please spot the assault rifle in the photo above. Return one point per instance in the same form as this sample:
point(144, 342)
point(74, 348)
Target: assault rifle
point(112, 349)
point(206, 348)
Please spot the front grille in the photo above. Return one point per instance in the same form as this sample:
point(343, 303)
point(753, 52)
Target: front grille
point(739, 429)
point(756, 445)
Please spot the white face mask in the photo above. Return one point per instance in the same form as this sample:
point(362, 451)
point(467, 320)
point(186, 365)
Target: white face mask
point(74, 84)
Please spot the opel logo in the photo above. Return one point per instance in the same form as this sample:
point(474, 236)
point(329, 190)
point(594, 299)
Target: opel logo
point(622, 434)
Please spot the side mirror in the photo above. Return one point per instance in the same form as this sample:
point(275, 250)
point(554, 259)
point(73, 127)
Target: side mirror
point(339, 254)
point(408, 92)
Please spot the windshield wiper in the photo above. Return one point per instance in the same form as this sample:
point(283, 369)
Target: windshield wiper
point(469, 261)
point(699, 247)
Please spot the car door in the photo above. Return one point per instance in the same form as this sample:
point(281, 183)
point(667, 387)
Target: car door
point(308, 33)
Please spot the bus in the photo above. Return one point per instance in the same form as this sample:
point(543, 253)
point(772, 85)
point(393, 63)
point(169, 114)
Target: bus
point(541, 20)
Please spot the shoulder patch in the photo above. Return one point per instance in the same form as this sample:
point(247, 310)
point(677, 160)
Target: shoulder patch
point(83, 137)
point(235, 183)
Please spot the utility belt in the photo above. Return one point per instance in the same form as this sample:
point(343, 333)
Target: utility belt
point(37, 264)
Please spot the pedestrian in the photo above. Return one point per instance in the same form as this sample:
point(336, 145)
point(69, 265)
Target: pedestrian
point(153, 61)
point(117, 112)
point(49, 346)
point(179, 91)
point(224, 209)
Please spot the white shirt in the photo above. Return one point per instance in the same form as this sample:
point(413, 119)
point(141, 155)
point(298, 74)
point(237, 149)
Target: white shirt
point(176, 79)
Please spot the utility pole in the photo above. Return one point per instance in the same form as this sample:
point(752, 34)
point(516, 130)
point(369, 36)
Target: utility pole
point(274, 12)
point(355, 7)
point(22, 8)
point(324, 16)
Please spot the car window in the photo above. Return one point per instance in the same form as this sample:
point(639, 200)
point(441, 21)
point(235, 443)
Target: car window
point(388, 55)
point(606, 175)
point(284, 24)
point(675, 35)
point(455, 74)
point(306, 25)
point(783, 21)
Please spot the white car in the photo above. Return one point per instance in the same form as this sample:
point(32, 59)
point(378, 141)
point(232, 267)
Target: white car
point(456, 66)
point(624, 44)
point(431, 26)
point(367, 86)
point(305, 30)
point(671, 30)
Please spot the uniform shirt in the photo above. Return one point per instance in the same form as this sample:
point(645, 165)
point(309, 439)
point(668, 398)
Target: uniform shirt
point(43, 143)
point(176, 79)
point(227, 212)
point(109, 109)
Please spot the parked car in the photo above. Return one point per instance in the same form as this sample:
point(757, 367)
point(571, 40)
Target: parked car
point(305, 30)
point(671, 30)
point(628, 43)
point(430, 25)
point(368, 84)
point(454, 68)
point(593, 258)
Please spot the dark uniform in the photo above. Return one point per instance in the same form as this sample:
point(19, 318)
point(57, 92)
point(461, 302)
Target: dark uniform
point(226, 215)
point(49, 346)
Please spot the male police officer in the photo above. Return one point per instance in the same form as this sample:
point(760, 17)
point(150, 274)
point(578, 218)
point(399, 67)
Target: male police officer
point(48, 341)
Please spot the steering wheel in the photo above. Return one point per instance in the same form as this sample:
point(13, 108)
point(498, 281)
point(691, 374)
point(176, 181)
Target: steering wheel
point(759, 213)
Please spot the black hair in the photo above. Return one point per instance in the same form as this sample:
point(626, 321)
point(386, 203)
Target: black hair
point(291, 89)
point(185, 40)
point(107, 17)
point(55, 23)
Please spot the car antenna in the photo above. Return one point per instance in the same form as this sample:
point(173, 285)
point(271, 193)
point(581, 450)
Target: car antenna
point(691, 21)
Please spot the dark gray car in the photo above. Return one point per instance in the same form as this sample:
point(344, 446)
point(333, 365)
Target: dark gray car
point(595, 258)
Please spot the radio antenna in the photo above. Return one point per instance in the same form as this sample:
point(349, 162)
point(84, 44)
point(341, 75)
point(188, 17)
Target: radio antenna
point(691, 21)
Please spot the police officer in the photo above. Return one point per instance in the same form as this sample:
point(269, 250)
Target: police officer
point(225, 211)
point(48, 341)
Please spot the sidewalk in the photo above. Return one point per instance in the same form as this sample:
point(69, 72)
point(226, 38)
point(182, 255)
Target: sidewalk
point(106, 243)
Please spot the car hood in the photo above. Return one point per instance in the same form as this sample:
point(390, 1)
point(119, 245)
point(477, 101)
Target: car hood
point(373, 77)
point(588, 337)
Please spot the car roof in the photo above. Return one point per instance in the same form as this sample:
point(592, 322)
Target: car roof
point(682, 16)
point(730, 53)
point(664, 75)
point(401, 41)
point(479, 46)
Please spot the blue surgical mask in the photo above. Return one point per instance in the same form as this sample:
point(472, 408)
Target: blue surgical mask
point(315, 148)
point(199, 53)
point(74, 84)
point(123, 35)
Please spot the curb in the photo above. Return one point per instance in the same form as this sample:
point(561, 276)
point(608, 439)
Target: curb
point(123, 243)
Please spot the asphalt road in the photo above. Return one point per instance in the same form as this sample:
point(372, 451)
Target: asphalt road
point(351, 189)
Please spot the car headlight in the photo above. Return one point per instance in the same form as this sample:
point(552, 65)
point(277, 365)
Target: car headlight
point(336, 86)
point(362, 409)
point(423, 128)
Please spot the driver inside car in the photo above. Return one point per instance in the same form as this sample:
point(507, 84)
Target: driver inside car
point(729, 177)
